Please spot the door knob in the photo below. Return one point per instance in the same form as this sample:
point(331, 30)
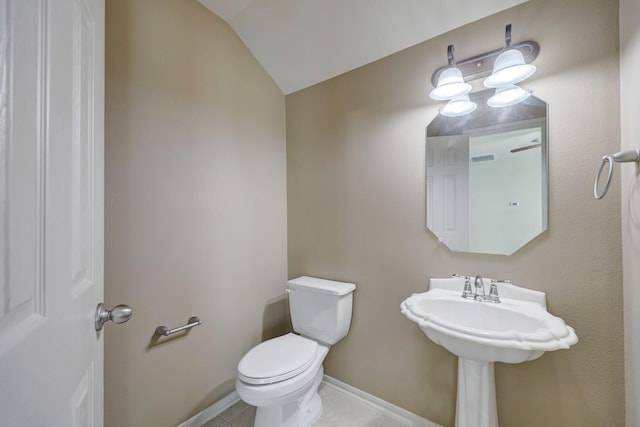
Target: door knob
point(119, 314)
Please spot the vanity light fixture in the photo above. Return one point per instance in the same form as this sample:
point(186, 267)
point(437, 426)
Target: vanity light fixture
point(450, 84)
point(508, 95)
point(502, 68)
point(458, 106)
point(510, 66)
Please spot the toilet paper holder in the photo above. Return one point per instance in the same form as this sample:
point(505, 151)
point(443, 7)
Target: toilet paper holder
point(192, 322)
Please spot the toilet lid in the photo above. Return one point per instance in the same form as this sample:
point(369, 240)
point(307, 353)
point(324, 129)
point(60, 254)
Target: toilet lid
point(277, 359)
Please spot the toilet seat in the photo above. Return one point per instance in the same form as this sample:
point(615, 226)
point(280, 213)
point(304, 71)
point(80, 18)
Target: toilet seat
point(277, 359)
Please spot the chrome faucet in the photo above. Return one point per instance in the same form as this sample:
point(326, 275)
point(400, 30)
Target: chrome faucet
point(467, 292)
point(478, 284)
point(478, 292)
point(493, 290)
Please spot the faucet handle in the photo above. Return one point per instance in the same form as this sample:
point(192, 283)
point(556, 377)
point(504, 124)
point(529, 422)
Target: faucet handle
point(467, 292)
point(493, 292)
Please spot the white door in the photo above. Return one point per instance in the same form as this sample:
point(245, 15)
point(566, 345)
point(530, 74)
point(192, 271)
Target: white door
point(51, 212)
point(448, 190)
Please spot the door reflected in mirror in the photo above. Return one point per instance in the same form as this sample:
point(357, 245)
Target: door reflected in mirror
point(486, 177)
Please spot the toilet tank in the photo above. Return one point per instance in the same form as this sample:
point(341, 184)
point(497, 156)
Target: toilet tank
point(320, 308)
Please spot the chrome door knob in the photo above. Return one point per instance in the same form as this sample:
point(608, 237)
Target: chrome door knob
point(119, 314)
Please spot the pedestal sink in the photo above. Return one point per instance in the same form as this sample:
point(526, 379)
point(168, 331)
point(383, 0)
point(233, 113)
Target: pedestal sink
point(517, 329)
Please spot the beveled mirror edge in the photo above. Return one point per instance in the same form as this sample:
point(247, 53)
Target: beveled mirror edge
point(543, 119)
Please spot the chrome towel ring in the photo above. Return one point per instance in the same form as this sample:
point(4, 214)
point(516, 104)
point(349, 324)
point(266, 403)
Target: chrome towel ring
point(626, 156)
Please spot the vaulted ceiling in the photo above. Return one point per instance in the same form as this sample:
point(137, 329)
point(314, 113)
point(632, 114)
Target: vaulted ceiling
point(303, 42)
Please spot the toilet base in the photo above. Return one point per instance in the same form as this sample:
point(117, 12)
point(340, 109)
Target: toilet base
point(302, 412)
point(309, 412)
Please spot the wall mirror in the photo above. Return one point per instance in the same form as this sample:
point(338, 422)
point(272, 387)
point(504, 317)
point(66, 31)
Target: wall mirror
point(487, 176)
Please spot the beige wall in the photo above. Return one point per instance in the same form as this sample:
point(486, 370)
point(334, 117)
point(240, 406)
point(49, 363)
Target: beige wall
point(195, 207)
point(355, 176)
point(630, 206)
point(196, 221)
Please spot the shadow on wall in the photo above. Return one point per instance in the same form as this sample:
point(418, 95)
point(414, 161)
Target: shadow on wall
point(275, 318)
point(211, 397)
point(275, 322)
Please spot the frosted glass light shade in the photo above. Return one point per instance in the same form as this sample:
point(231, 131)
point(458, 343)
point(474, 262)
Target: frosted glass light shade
point(508, 95)
point(458, 106)
point(509, 68)
point(450, 85)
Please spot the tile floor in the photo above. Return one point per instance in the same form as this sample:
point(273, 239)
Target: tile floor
point(339, 410)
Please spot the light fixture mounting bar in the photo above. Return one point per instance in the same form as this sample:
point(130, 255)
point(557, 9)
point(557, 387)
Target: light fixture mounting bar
point(482, 65)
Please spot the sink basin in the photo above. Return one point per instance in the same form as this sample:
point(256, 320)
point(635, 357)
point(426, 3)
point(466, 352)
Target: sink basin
point(512, 331)
point(516, 330)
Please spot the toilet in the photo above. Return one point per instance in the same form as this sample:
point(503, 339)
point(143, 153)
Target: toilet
point(281, 376)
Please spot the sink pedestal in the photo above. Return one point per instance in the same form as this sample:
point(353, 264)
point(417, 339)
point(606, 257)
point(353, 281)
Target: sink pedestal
point(476, 401)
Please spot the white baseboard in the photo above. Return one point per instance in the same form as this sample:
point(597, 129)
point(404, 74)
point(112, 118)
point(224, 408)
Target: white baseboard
point(212, 411)
point(392, 411)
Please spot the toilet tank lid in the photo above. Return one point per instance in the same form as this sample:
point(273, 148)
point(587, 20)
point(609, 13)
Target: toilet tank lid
point(321, 285)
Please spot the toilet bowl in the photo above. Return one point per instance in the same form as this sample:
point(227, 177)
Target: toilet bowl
point(281, 376)
point(283, 391)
